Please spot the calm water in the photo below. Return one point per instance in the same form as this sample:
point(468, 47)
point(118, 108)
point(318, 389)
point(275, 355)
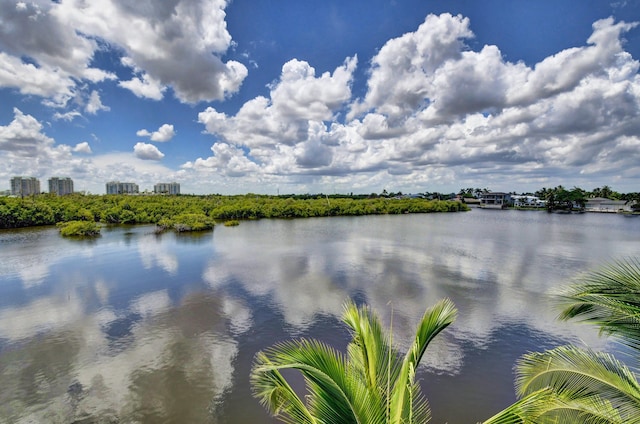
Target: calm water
point(139, 328)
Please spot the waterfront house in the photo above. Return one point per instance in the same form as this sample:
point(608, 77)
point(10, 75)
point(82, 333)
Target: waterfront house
point(602, 204)
point(471, 201)
point(528, 201)
point(495, 200)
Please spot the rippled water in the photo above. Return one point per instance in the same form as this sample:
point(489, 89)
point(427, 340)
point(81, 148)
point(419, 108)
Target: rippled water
point(136, 327)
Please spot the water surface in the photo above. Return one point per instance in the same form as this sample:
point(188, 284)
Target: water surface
point(146, 328)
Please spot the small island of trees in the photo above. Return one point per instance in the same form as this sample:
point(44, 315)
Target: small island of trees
point(79, 229)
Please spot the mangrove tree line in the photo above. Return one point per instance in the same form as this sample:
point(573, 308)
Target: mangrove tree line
point(48, 209)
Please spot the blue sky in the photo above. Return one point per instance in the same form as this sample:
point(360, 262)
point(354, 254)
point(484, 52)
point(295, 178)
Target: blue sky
point(296, 96)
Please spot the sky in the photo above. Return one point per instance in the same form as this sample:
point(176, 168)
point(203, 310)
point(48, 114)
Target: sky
point(300, 96)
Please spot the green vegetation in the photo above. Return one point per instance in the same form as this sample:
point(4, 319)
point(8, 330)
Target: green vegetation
point(562, 199)
point(192, 222)
point(47, 209)
point(559, 198)
point(163, 210)
point(372, 383)
point(186, 222)
point(79, 228)
point(232, 223)
point(573, 385)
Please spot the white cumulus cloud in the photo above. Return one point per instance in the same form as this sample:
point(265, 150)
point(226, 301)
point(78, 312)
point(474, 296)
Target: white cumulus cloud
point(147, 151)
point(94, 104)
point(164, 133)
point(23, 136)
point(82, 147)
point(27, 150)
point(43, 53)
point(286, 132)
point(227, 160)
point(177, 44)
point(436, 111)
point(49, 47)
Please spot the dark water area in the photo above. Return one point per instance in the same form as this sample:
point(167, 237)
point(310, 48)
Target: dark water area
point(145, 328)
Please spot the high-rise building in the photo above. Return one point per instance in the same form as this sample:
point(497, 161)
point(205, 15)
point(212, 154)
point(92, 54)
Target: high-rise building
point(25, 186)
point(60, 186)
point(116, 187)
point(167, 188)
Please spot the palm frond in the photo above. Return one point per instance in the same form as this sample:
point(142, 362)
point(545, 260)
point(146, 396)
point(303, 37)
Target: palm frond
point(568, 384)
point(368, 385)
point(324, 370)
point(576, 375)
point(276, 395)
point(419, 411)
point(369, 350)
point(547, 406)
point(433, 321)
point(520, 411)
point(608, 298)
point(567, 409)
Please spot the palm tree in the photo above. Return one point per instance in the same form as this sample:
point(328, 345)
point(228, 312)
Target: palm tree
point(572, 385)
point(606, 191)
point(370, 384)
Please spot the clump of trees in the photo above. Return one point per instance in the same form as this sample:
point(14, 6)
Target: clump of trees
point(187, 222)
point(560, 194)
point(79, 228)
point(561, 198)
point(49, 209)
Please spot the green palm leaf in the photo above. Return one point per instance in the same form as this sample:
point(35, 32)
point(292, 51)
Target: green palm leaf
point(608, 298)
point(518, 412)
point(370, 349)
point(368, 385)
point(276, 395)
point(591, 410)
point(432, 323)
point(324, 370)
point(372, 359)
point(581, 379)
point(571, 385)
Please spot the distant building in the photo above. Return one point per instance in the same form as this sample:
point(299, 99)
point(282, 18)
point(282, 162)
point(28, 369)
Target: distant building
point(167, 188)
point(25, 186)
point(528, 201)
point(495, 200)
point(60, 186)
point(116, 187)
point(602, 204)
point(471, 201)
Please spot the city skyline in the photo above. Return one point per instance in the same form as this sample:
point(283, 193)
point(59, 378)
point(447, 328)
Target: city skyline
point(403, 95)
point(29, 185)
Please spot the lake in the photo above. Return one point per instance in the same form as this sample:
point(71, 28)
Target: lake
point(142, 328)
